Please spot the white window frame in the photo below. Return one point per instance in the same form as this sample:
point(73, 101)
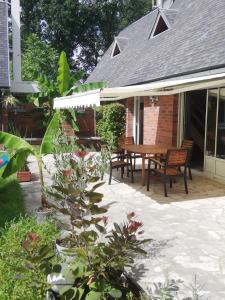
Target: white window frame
point(160, 15)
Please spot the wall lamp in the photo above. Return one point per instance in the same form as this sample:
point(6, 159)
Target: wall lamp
point(153, 100)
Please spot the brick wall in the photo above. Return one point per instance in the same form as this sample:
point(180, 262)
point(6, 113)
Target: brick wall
point(86, 123)
point(160, 120)
point(129, 116)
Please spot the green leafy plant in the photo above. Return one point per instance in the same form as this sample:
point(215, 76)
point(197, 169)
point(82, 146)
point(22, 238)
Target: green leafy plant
point(73, 198)
point(21, 149)
point(99, 264)
point(111, 121)
point(65, 84)
point(18, 278)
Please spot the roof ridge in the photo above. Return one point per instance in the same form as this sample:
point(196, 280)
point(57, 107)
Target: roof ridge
point(149, 13)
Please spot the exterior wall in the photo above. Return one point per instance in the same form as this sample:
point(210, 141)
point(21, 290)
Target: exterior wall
point(86, 123)
point(129, 116)
point(160, 120)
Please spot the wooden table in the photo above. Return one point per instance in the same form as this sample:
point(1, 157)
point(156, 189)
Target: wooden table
point(144, 151)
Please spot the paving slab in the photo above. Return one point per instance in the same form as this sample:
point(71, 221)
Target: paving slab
point(188, 230)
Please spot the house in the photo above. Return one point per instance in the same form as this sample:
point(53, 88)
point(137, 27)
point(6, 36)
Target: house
point(181, 45)
point(10, 56)
point(168, 68)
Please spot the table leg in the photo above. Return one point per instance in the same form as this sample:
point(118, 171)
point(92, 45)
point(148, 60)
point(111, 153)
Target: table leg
point(143, 171)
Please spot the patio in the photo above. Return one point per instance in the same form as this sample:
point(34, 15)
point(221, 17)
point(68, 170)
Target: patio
point(188, 230)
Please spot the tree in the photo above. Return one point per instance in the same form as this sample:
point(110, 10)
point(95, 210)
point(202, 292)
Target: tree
point(38, 58)
point(83, 29)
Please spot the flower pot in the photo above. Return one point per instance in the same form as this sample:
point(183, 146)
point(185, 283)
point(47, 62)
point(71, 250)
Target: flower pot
point(24, 176)
point(63, 252)
point(58, 282)
point(43, 215)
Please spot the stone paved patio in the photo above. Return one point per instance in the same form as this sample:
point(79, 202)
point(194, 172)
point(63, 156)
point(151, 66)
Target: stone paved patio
point(188, 230)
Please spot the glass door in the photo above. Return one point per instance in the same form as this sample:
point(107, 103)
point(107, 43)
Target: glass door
point(215, 133)
point(211, 122)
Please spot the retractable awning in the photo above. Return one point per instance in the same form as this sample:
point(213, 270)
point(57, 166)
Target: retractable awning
point(160, 88)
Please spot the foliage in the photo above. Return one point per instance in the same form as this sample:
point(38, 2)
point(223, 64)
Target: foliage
point(111, 123)
point(74, 172)
point(84, 28)
point(51, 88)
point(66, 83)
point(20, 150)
point(100, 262)
point(17, 280)
point(37, 58)
point(100, 255)
point(10, 101)
point(11, 201)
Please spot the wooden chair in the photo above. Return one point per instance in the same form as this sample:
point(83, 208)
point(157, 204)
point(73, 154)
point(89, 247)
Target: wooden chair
point(188, 144)
point(175, 159)
point(121, 162)
point(129, 140)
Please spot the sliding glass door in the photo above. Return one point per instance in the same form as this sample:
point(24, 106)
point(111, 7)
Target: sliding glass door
point(215, 133)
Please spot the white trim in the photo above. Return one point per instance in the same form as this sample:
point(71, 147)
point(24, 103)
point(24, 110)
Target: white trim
point(16, 39)
point(160, 15)
point(180, 122)
point(206, 127)
point(114, 48)
point(135, 118)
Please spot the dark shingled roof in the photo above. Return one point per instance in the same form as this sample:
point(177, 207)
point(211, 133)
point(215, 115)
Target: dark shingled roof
point(4, 52)
point(195, 42)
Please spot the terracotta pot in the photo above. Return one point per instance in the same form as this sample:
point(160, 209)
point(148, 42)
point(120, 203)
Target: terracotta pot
point(24, 176)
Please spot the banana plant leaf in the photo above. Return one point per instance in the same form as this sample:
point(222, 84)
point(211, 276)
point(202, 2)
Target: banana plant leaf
point(86, 87)
point(64, 77)
point(14, 142)
point(52, 132)
point(16, 162)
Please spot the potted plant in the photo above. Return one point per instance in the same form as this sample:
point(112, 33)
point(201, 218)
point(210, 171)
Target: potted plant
point(72, 196)
point(98, 269)
point(24, 174)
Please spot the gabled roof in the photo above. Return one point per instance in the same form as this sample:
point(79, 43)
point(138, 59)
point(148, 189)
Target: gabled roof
point(195, 42)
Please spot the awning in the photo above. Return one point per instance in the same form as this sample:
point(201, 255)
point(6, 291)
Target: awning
point(86, 99)
point(160, 88)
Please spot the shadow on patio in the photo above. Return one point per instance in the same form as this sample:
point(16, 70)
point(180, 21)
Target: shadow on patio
point(199, 188)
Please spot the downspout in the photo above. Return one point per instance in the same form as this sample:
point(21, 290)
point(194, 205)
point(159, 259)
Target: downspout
point(16, 39)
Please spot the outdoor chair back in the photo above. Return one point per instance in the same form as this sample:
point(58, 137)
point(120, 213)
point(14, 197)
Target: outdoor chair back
point(121, 161)
point(170, 168)
point(176, 158)
point(188, 144)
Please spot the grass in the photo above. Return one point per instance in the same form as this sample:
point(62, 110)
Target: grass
point(11, 200)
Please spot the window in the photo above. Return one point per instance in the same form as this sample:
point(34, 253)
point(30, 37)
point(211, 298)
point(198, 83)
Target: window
point(160, 26)
point(116, 50)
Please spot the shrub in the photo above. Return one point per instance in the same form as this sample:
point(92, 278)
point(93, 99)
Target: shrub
point(16, 281)
point(11, 200)
point(111, 122)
